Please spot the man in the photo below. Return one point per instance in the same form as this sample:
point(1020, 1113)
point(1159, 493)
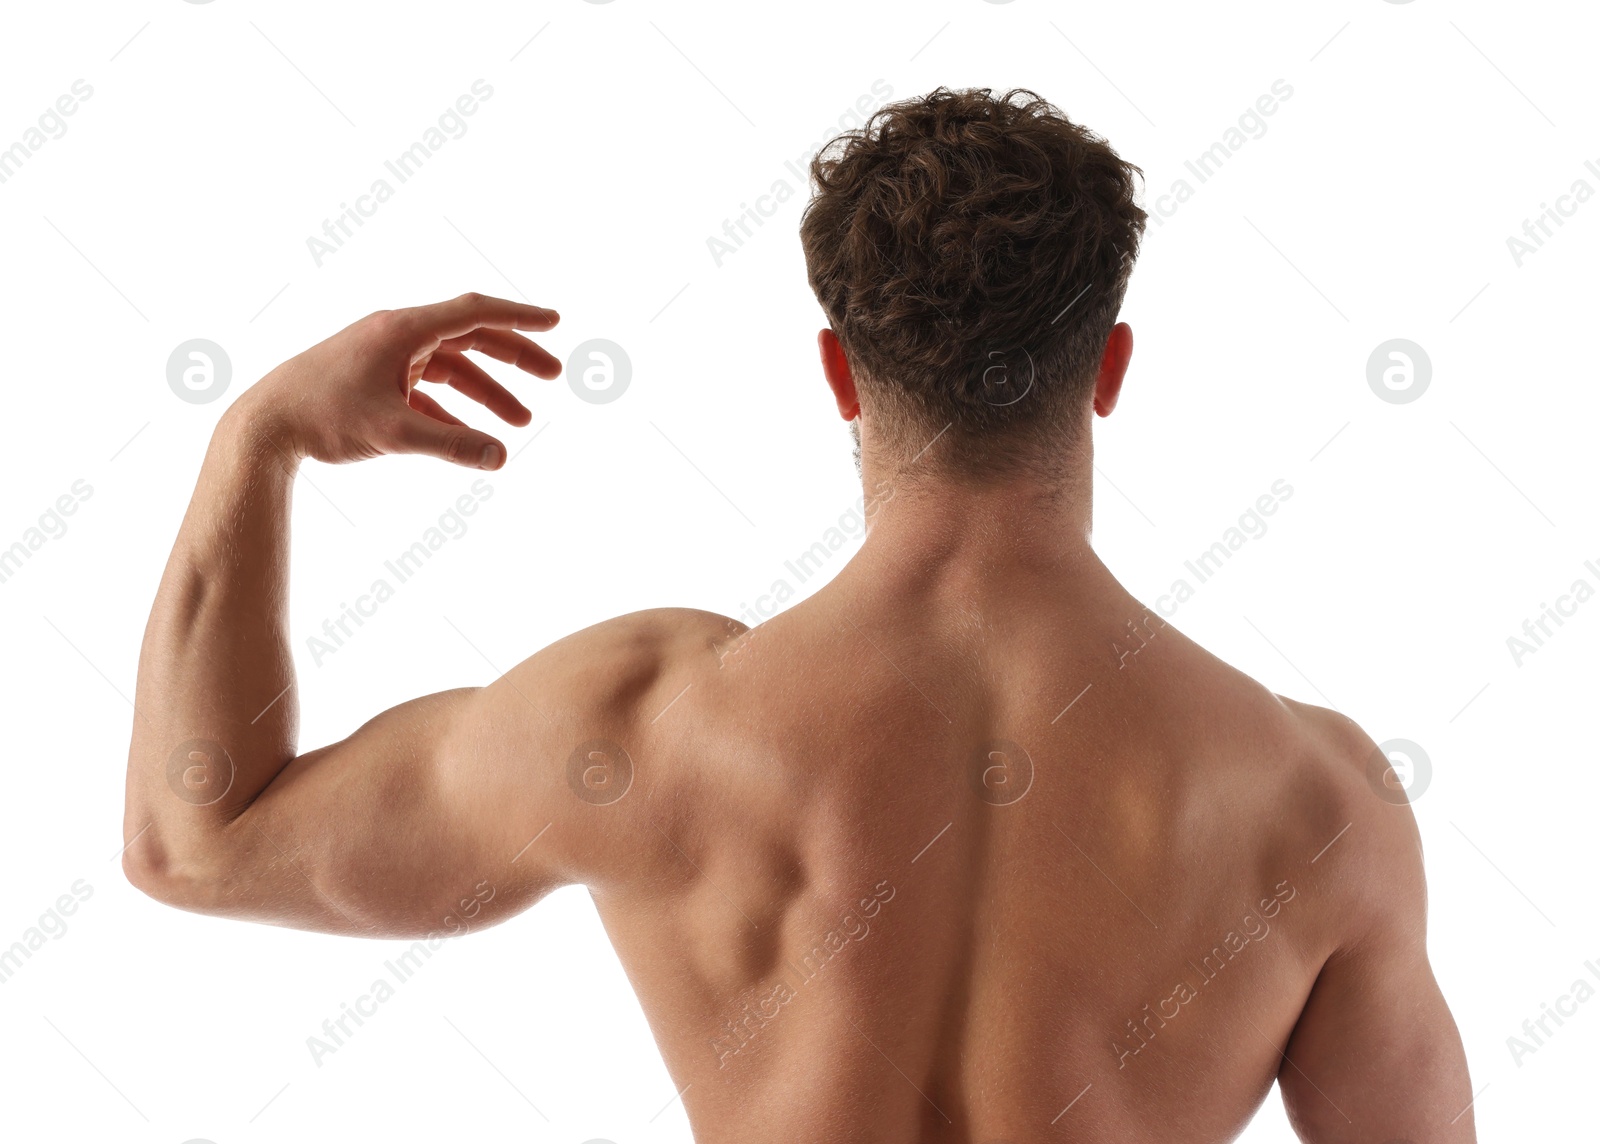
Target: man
point(969, 846)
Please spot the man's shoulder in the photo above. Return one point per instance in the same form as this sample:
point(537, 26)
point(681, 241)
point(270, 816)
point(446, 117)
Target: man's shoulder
point(1324, 796)
point(652, 632)
point(614, 670)
point(1360, 776)
point(1315, 755)
point(1368, 850)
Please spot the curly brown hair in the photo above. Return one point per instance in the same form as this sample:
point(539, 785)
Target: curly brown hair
point(971, 253)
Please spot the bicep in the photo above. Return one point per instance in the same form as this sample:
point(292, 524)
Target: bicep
point(1375, 1054)
point(460, 809)
point(411, 826)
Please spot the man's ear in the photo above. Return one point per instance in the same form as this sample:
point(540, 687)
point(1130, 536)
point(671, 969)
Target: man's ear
point(836, 368)
point(1113, 366)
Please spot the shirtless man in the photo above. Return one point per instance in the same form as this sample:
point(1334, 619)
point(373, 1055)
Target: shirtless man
point(969, 846)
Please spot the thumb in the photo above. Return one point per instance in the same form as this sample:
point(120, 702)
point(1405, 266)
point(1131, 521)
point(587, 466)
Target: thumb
point(458, 444)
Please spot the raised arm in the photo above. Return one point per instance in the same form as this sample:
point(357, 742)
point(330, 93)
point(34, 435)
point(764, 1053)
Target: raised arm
point(417, 823)
point(1375, 1056)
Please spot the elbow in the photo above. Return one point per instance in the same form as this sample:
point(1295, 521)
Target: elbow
point(147, 869)
point(158, 873)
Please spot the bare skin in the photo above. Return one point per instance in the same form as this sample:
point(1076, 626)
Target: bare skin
point(945, 853)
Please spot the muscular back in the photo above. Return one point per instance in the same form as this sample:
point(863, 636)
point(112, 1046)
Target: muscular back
point(899, 866)
point(928, 858)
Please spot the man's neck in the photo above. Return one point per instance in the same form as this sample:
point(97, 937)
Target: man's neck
point(988, 535)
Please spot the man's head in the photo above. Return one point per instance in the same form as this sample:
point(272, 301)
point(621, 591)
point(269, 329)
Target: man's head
point(971, 252)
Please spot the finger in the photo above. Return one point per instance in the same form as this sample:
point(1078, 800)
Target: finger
point(465, 376)
point(416, 432)
point(451, 319)
point(422, 403)
point(508, 347)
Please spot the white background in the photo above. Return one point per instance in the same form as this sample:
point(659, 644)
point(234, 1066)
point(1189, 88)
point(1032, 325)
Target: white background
point(219, 136)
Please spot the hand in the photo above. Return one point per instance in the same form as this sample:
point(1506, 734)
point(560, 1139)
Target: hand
point(355, 395)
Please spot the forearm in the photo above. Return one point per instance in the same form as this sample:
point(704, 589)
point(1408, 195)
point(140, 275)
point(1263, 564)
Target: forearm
point(215, 704)
point(222, 815)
